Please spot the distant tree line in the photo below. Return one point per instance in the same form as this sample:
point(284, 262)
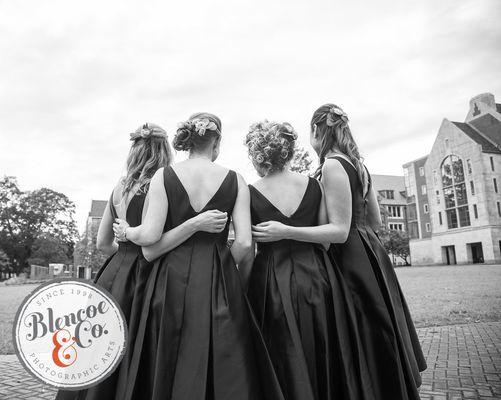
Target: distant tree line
point(36, 227)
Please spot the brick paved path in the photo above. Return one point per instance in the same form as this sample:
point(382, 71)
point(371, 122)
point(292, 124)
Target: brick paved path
point(464, 362)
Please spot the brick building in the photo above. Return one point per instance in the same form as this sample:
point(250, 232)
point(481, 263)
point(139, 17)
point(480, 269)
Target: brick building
point(454, 193)
point(390, 190)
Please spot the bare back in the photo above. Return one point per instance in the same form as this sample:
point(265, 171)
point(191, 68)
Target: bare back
point(285, 190)
point(201, 179)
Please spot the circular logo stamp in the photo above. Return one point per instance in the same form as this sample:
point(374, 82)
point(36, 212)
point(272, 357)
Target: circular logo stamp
point(70, 334)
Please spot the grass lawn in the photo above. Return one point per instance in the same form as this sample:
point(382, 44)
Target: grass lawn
point(446, 295)
point(10, 299)
point(435, 295)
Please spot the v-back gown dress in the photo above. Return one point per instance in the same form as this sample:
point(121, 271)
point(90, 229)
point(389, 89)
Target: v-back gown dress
point(124, 275)
point(391, 345)
point(199, 339)
point(304, 310)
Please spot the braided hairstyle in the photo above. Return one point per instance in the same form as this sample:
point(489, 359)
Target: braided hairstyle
point(332, 126)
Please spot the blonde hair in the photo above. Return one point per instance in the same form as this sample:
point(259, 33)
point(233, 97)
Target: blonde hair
point(332, 125)
point(150, 151)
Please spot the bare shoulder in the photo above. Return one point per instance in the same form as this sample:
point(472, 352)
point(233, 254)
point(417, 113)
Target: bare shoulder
point(299, 178)
point(259, 183)
point(241, 180)
point(333, 168)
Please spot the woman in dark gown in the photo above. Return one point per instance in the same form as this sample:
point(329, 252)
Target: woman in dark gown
point(390, 343)
point(299, 298)
point(126, 272)
point(199, 338)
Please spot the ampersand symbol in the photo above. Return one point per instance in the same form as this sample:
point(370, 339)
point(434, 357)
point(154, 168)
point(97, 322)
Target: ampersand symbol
point(64, 353)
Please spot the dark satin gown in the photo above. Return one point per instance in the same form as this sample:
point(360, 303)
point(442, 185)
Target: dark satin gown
point(391, 345)
point(124, 275)
point(304, 310)
point(198, 337)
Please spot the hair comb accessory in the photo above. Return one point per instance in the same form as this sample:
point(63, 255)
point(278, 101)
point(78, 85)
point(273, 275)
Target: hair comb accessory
point(203, 124)
point(148, 130)
point(334, 114)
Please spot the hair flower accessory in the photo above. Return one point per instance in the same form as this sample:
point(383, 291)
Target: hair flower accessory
point(334, 114)
point(148, 130)
point(203, 124)
point(288, 130)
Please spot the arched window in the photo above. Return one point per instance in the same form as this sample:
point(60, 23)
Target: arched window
point(454, 186)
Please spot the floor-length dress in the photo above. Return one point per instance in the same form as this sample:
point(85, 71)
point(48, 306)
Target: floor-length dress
point(124, 275)
point(391, 346)
point(304, 310)
point(198, 339)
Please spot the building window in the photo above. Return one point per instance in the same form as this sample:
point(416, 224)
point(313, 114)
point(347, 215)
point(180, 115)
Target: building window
point(499, 208)
point(492, 164)
point(428, 227)
point(472, 188)
point(456, 199)
point(423, 189)
point(396, 227)
point(440, 218)
point(468, 166)
point(438, 196)
point(475, 211)
point(495, 182)
point(421, 171)
point(394, 211)
point(426, 208)
point(435, 178)
point(390, 194)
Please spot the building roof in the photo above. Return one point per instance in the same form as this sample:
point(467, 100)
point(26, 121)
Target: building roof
point(97, 208)
point(390, 182)
point(482, 134)
point(415, 161)
point(490, 127)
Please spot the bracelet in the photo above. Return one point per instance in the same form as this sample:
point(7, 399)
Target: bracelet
point(125, 233)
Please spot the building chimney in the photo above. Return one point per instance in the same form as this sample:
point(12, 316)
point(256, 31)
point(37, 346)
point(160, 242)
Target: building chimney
point(480, 104)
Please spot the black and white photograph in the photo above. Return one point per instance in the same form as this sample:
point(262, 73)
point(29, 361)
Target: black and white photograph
point(250, 200)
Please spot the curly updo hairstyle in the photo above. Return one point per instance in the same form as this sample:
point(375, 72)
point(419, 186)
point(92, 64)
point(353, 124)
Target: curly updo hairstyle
point(197, 132)
point(271, 145)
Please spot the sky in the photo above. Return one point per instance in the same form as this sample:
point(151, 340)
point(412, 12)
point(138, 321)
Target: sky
point(77, 77)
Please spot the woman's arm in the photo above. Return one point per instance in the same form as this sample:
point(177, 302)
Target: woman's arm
point(241, 222)
point(338, 209)
point(105, 238)
point(373, 211)
point(322, 215)
point(150, 230)
point(213, 221)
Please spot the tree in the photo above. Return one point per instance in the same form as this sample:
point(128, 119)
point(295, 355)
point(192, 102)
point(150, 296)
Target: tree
point(27, 216)
point(301, 162)
point(47, 249)
point(86, 252)
point(396, 243)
